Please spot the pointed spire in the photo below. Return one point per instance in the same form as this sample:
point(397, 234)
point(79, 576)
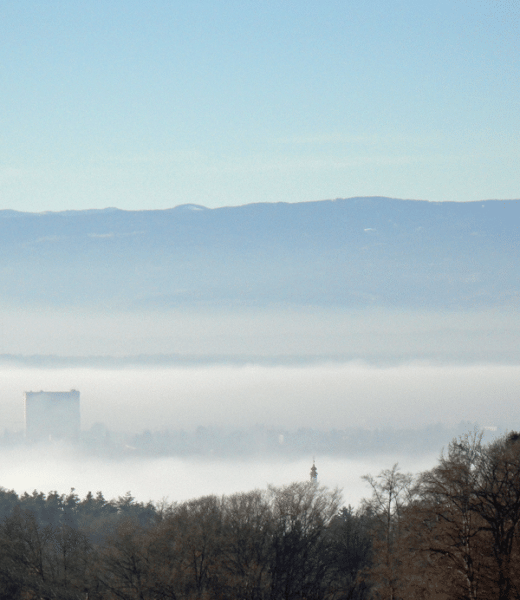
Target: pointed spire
point(314, 473)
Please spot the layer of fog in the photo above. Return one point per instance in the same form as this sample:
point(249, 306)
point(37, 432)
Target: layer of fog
point(283, 368)
point(373, 335)
point(323, 396)
point(174, 479)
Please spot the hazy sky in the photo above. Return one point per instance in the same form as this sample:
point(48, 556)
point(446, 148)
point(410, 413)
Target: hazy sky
point(154, 104)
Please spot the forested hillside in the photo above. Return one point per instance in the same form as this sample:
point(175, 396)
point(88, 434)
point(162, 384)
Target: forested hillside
point(448, 533)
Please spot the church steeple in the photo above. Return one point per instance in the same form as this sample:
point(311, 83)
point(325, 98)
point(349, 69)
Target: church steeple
point(314, 473)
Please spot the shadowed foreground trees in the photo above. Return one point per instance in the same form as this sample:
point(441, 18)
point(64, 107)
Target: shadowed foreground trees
point(254, 546)
point(456, 536)
point(391, 493)
point(46, 561)
point(290, 542)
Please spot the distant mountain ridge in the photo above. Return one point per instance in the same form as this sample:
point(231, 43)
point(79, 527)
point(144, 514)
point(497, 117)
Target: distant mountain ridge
point(347, 252)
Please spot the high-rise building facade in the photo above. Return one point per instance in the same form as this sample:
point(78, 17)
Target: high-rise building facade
point(52, 415)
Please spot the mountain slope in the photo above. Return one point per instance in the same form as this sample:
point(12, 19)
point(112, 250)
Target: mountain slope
point(352, 252)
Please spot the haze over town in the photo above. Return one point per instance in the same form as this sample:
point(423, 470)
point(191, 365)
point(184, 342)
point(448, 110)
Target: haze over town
point(207, 226)
point(310, 335)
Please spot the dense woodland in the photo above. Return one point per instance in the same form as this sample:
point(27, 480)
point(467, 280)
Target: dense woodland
point(448, 533)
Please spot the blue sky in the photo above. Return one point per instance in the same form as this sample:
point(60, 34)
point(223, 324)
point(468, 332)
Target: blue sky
point(144, 105)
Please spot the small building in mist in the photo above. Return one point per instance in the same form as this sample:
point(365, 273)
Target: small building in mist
point(52, 415)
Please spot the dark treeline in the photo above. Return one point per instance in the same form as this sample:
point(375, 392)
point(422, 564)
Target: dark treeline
point(451, 532)
point(288, 542)
point(447, 534)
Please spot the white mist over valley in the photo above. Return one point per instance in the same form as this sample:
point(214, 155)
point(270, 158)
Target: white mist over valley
point(320, 396)
point(219, 350)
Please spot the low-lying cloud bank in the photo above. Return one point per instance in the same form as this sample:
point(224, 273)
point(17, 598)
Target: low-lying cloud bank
point(278, 334)
point(177, 479)
point(322, 396)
